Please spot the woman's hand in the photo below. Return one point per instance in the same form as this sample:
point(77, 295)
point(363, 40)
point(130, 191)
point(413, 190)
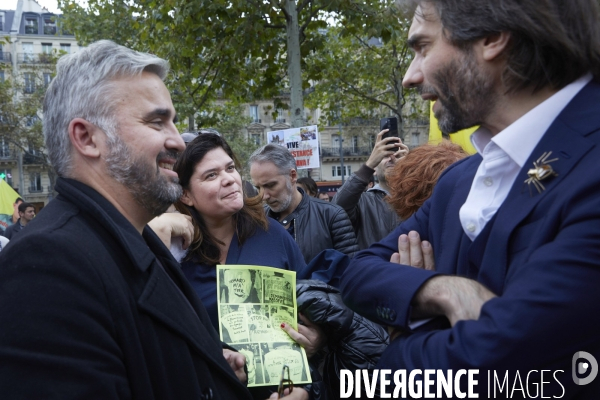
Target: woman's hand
point(310, 336)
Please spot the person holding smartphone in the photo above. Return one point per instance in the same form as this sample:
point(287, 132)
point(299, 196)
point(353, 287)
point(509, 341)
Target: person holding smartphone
point(371, 216)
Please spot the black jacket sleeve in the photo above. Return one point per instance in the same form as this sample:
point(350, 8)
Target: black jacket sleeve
point(353, 341)
point(349, 194)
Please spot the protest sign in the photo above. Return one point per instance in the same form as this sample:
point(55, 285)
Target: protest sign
point(303, 143)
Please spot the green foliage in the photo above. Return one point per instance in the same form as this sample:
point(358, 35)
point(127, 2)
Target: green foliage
point(233, 49)
point(361, 71)
point(20, 111)
point(231, 124)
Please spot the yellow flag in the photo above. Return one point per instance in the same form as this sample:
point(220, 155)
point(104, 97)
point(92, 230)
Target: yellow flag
point(461, 138)
point(7, 199)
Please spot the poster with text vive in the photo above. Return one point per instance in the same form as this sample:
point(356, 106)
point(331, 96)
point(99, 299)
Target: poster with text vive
point(303, 143)
point(253, 302)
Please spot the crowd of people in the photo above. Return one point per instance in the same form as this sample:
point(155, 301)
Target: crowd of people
point(448, 263)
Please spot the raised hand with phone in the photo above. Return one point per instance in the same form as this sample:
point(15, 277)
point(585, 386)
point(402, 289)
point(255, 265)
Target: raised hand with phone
point(387, 144)
point(370, 214)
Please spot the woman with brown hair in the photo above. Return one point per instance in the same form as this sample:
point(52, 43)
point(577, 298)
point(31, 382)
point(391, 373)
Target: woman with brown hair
point(229, 228)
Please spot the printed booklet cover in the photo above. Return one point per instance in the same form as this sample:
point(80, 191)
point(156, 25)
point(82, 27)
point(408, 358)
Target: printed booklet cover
point(253, 301)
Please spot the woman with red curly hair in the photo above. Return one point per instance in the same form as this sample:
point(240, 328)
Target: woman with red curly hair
point(412, 180)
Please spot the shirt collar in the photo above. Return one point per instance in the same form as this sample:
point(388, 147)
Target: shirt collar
point(519, 146)
point(378, 187)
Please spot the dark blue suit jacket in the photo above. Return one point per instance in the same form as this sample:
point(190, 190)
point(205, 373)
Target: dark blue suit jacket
point(540, 255)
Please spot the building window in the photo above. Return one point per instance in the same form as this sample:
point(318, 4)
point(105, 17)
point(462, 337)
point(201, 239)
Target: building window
point(29, 79)
point(254, 113)
point(1, 21)
point(256, 138)
point(49, 26)
point(35, 182)
point(31, 25)
point(28, 52)
point(335, 141)
point(1, 76)
point(354, 144)
point(47, 78)
point(47, 48)
point(372, 141)
point(4, 149)
point(336, 170)
point(66, 47)
point(280, 116)
point(414, 141)
point(31, 122)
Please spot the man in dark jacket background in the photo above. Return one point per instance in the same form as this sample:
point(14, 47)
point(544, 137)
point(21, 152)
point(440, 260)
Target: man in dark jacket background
point(92, 304)
point(371, 216)
point(314, 224)
point(26, 214)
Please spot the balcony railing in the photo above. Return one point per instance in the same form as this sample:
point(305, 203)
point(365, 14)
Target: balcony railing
point(34, 58)
point(33, 189)
point(5, 57)
point(32, 159)
point(5, 154)
point(50, 30)
point(348, 151)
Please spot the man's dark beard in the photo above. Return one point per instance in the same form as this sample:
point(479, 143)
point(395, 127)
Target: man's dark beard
point(149, 188)
point(465, 94)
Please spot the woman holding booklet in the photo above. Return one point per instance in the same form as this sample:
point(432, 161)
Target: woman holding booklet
point(230, 228)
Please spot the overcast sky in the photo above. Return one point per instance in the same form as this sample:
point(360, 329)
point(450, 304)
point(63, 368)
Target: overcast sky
point(12, 5)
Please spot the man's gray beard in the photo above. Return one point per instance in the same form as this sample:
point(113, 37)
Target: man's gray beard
point(148, 187)
point(288, 200)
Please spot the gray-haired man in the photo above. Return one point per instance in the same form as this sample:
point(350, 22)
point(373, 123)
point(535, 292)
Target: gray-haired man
point(314, 224)
point(93, 304)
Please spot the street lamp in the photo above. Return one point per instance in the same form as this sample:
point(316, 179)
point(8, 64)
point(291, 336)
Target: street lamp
point(342, 153)
point(341, 143)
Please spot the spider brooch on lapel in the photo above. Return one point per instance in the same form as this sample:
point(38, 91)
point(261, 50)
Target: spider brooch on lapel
point(542, 170)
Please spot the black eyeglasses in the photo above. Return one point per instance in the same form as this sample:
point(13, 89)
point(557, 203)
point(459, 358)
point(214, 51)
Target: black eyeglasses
point(189, 136)
point(285, 383)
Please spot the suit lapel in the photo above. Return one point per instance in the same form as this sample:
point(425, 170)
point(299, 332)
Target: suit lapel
point(164, 293)
point(566, 140)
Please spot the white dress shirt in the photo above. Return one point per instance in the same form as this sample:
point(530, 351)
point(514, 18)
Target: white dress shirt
point(505, 154)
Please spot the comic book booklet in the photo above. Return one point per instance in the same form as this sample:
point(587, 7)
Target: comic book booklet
point(253, 301)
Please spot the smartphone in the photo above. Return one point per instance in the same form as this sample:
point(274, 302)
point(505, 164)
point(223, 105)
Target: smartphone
point(392, 125)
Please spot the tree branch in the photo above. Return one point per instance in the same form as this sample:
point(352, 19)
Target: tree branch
point(281, 6)
point(208, 89)
point(275, 26)
point(357, 92)
point(309, 20)
point(366, 44)
point(302, 5)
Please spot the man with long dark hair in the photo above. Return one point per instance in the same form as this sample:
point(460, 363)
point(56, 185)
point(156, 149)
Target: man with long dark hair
point(511, 232)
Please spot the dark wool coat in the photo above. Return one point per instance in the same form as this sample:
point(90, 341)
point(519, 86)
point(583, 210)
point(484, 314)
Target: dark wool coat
point(88, 312)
